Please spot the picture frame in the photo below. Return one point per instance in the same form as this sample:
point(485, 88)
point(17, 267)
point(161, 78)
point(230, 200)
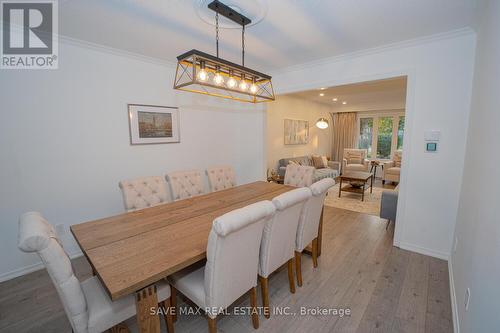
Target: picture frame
point(153, 124)
point(296, 132)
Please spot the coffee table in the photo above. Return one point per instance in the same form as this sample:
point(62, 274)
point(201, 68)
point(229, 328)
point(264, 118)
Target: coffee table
point(354, 176)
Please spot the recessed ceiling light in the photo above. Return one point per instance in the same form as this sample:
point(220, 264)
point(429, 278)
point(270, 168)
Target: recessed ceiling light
point(323, 88)
point(322, 94)
point(344, 102)
point(335, 99)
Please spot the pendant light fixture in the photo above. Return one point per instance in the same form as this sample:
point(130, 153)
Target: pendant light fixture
point(203, 73)
point(322, 123)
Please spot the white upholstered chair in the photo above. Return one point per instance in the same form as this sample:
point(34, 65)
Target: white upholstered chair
point(144, 192)
point(87, 305)
point(232, 262)
point(298, 175)
point(309, 223)
point(278, 240)
point(392, 169)
point(221, 177)
point(186, 184)
point(355, 160)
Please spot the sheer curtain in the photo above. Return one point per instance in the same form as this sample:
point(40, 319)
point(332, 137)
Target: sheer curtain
point(344, 133)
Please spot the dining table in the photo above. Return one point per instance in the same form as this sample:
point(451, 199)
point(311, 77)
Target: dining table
point(130, 252)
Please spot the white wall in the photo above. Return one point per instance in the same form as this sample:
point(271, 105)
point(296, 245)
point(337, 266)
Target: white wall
point(439, 70)
point(64, 140)
point(476, 262)
point(289, 107)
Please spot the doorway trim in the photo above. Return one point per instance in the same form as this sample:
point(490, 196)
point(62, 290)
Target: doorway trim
point(410, 74)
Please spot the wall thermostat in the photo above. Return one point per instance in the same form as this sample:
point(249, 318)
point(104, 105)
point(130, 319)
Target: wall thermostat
point(431, 147)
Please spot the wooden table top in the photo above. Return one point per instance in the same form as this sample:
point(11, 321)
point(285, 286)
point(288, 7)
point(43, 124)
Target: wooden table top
point(130, 251)
point(356, 175)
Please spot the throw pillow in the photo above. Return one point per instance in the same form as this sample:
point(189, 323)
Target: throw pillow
point(293, 162)
point(354, 158)
point(318, 162)
point(325, 161)
point(397, 161)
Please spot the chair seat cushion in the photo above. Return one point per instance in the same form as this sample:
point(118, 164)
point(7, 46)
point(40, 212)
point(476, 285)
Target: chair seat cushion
point(191, 283)
point(356, 167)
point(393, 171)
point(105, 313)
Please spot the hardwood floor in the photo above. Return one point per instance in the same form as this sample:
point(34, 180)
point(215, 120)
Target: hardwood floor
point(386, 289)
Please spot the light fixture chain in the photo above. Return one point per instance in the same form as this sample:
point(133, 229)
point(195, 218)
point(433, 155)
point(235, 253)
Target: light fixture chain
point(217, 33)
point(243, 46)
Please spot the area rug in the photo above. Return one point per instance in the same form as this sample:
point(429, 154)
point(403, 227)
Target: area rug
point(352, 201)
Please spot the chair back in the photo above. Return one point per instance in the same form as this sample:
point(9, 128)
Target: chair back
point(278, 239)
point(355, 156)
point(298, 175)
point(397, 158)
point(221, 178)
point(233, 254)
point(311, 214)
point(144, 192)
point(185, 184)
point(37, 235)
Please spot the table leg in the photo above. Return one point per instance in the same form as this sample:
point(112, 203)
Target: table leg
point(363, 192)
point(146, 299)
point(371, 183)
point(340, 186)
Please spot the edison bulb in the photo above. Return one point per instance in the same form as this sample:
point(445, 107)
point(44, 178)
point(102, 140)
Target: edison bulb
point(253, 88)
point(202, 75)
point(243, 85)
point(231, 83)
point(218, 79)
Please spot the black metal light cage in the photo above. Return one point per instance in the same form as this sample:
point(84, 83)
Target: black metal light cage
point(219, 77)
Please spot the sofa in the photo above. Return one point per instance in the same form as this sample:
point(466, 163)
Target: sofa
point(389, 205)
point(355, 160)
point(332, 171)
point(392, 169)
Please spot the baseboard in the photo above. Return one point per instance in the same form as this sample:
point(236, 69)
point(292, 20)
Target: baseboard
point(30, 268)
point(453, 296)
point(424, 251)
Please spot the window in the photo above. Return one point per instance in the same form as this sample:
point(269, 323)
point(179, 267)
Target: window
point(381, 134)
point(366, 134)
point(384, 137)
point(401, 129)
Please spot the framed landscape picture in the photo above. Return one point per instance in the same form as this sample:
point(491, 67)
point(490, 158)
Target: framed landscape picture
point(151, 124)
point(296, 132)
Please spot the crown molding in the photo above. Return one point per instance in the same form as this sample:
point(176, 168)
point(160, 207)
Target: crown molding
point(114, 51)
point(378, 49)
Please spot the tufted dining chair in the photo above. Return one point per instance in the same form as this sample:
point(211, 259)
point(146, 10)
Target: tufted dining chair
point(298, 175)
point(87, 305)
point(278, 239)
point(309, 222)
point(144, 192)
point(232, 263)
point(221, 178)
point(185, 184)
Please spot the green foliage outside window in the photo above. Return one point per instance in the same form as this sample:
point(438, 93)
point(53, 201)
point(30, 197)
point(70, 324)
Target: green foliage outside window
point(384, 139)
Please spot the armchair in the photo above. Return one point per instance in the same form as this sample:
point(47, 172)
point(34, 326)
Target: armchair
point(355, 160)
point(392, 169)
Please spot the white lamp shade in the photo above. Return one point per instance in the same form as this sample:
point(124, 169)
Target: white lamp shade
point(322, 123)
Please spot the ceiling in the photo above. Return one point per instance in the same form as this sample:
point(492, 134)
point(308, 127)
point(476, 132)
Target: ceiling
point(290, 32)
point(389, 94)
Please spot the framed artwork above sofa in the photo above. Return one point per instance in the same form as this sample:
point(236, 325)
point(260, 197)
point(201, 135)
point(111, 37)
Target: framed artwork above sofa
point(296, 132)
